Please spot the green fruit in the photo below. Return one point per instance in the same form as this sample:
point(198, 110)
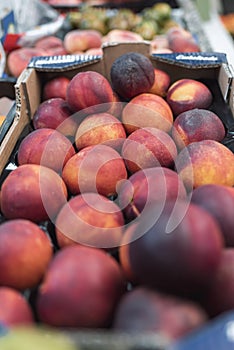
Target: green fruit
point(33, 338)
point(147, 29)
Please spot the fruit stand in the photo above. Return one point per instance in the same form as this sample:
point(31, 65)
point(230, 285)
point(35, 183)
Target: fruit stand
point(108, 182)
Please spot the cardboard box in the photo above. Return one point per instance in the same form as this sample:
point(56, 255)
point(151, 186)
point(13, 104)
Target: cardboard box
point(211, 68)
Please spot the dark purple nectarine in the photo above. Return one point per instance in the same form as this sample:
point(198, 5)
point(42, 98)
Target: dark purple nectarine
point(132, 74)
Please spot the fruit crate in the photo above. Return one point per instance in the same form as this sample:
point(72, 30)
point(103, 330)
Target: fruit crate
point(211, 68)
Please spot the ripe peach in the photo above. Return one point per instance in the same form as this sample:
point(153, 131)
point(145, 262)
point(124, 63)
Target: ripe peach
point(205, 162)
point(181, 40)
point(49, 42)
point(54, 113)
point(18, 59)
point(78, 280)
point(95, 169)
point(186, 94)
point(183, 245)
point(14, 308)
point(218, 298)
point(82, 40)
point(145, 310)
point(147, 187)
point(90, 219)
point(147, 110)
point(25, 252)
point(161, 84)
point(131, 74)
point(218, 200)
point(56, 87)
point(89, 89)
point(147, 148)
point(47, 147)
point(196, 125)
point(32, 192)
point(100, 128)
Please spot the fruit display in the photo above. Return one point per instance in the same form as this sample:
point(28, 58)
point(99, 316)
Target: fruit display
point(88, 28)
point(118, 213)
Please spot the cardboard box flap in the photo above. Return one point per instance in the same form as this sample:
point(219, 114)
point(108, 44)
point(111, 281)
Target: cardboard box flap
point(193, 60)
point(61, 62)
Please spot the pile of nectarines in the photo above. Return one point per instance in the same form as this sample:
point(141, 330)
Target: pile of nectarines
point(119, 213)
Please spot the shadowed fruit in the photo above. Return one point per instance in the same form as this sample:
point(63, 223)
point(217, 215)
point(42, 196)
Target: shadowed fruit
point(123, 253)
point(183, 245)
point(90, 219)
point(186, 94)
point(147, 110)
point(100, 128)
point(56, 87)
point(219, 297)
point(54, 113)
point(147, 187)
point(147, 148)
point(25, 252)
point(32, 192)
point(81, 288)
point(196, 125)
point(15, 310)
point(218, 200)
point(96, 168)
point(89, 89)
point(47, 147)
point(161, 84)
point(144, 310)
point(205, 162)
point(181, 40)
point(132, 74)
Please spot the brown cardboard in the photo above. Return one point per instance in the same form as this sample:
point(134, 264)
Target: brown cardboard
point(29, 84)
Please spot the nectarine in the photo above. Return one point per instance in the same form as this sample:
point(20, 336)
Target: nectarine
point(196, 125)
point(186, 94)
point(132, 74)
point(95, 169)
point(147, 110)
point(205, 162)
point(25, 252)
point(147, 148)
point(90, 219)
point(32, 192)
point(47, 147)
point(81, 289)
point(15, 310)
